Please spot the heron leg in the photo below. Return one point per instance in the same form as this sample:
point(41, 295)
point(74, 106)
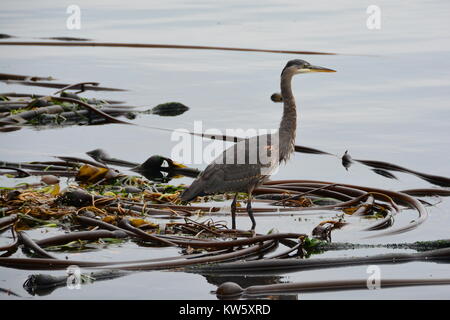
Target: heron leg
point(250, 211)
point(233, 212)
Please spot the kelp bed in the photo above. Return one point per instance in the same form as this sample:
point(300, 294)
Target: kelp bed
point(100, 204)
point(64, 108)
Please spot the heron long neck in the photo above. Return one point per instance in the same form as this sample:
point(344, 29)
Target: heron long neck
point(288, 123)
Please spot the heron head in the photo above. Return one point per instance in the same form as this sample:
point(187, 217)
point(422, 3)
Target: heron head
point(301, 66)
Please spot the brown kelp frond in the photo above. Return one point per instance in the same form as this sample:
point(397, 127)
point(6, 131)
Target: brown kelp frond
point(289, 265)
point(153, 46)
point(231, 290)
point(103, 206)
point(70, 108)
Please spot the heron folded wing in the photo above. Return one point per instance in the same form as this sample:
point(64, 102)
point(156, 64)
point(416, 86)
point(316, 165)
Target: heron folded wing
point(240, 168)
point(232, 177)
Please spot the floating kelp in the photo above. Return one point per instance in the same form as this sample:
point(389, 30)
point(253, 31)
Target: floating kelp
point(169, 109)
point(92, 174)
point(71, 109)
point(290, 265)
point(31, 245)
point(384, 173)
point(207, 247)
point(434, 179)
point(9, 292)
point(155, 168)
point(5, 36)
point(323, 229)
point(346, 160)
point(391, 199)
point(105, 207)
point(66, 39)
point(63, 113)
point(149, 46)
point(8, 220)
point(303, 195)
point(276, 97)
point(59, 85)
point(44, 110)
point(8, 76)
point(231, 290)
point(159, 168)
point(12, 98)
point(102, 156)
point(44, 284)
point(314, 246)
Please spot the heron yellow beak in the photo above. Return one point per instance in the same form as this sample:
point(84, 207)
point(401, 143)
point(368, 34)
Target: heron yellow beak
point(318, 69)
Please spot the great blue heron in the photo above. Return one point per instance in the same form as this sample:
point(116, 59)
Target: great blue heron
point(228, 173)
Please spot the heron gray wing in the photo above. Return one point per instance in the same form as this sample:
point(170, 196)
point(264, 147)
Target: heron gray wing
point(240, 168)
point(232, 177)
point(261, 150)
point(217, 178)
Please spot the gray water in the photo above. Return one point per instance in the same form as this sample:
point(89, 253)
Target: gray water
point(388, 101)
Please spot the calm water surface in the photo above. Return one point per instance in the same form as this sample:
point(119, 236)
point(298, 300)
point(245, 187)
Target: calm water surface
point(389, 101)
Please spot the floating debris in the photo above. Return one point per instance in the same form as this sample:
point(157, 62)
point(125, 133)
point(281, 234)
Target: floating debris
point(384, 173)
point(283, 265)
point(106, 207)
point(5, 36)
point(149, 46)
point(169, 109)
point(231, 290)
point(50, 179)
point(323, 230)
point(44, 284)
point(71, 109)
point(352, 200)
point(59, 85)
point(346, 160)
point(159, 168)
point(66, 39)
point(102, 156)
point(7, 76)
point(276, 97)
